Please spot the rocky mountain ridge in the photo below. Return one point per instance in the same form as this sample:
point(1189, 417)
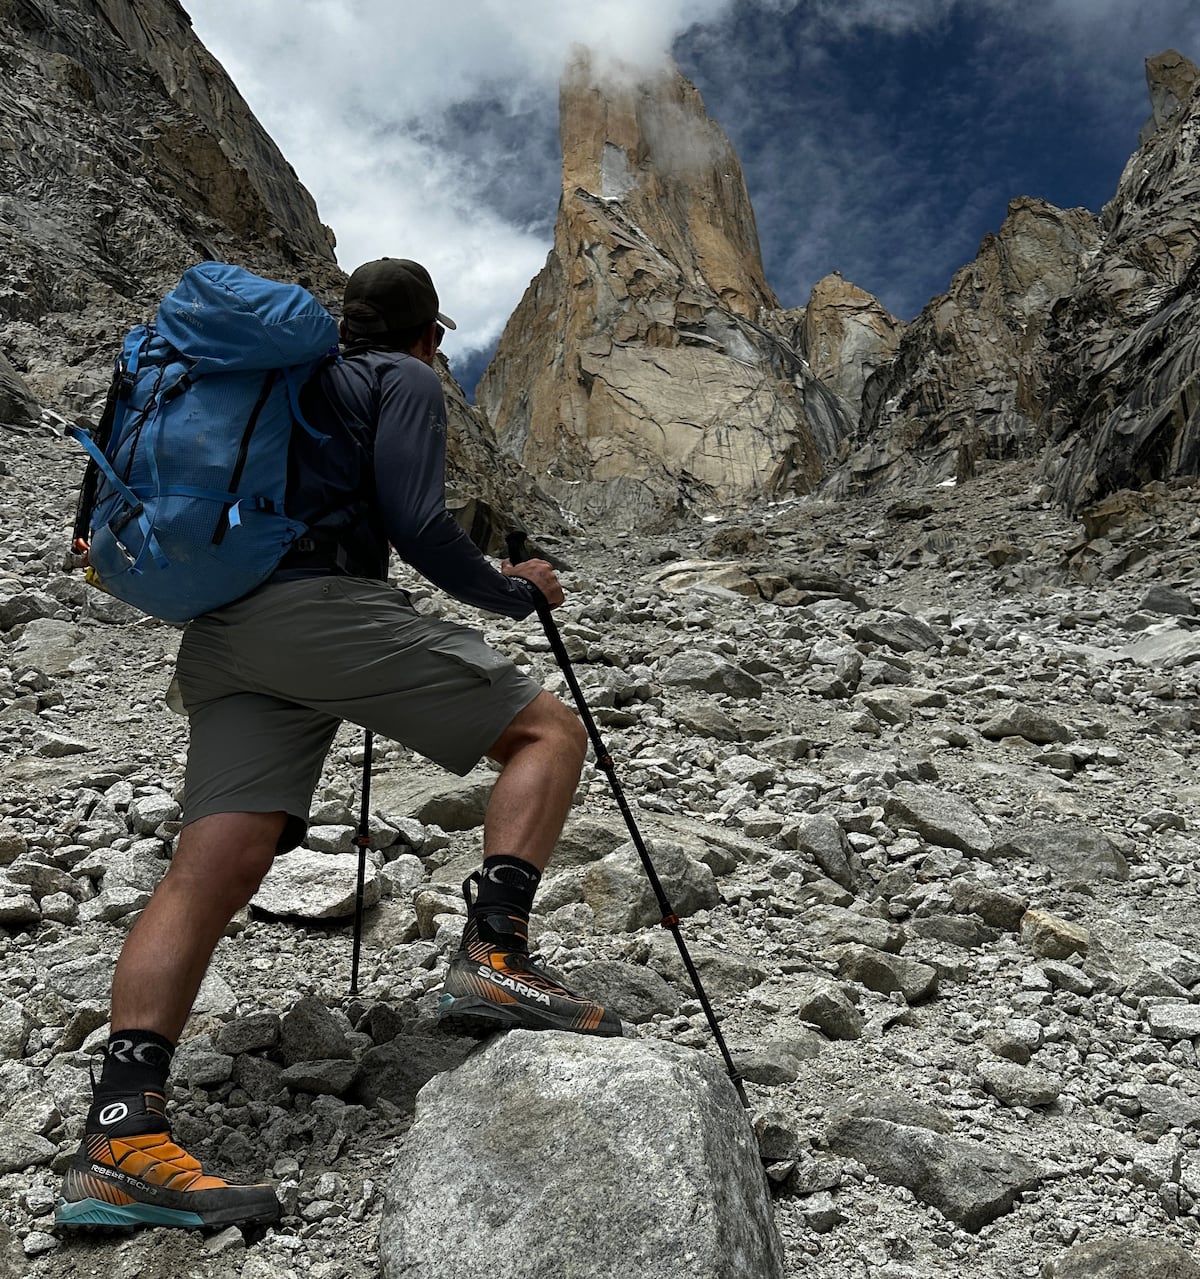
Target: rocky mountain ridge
point(112, 185)
point(127, 155)
point(640, 377)
point(674, 384)
point(1122, 410)
point(969, 376)
point(1069, 338)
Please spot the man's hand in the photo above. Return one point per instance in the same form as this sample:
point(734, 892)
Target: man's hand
point(540, 574)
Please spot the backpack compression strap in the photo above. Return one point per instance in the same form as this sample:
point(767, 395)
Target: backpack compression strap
point(149, 541)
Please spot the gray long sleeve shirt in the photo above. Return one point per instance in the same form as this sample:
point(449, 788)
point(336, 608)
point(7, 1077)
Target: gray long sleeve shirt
point(380, 478)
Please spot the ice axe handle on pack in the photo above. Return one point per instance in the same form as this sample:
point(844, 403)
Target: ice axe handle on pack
point(517, 553)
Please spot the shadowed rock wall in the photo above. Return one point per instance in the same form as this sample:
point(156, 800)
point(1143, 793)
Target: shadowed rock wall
point(1123, 401)
point(969, 375)
point(127, 155)
point(111, 184)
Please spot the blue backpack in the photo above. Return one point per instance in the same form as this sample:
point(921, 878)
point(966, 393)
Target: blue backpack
point(182, 507)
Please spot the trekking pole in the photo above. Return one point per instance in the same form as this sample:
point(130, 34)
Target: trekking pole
point(517, 552)
point(362, 840)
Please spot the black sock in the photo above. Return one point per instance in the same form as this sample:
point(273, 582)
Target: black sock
point(135, 1061)
point(504, 898)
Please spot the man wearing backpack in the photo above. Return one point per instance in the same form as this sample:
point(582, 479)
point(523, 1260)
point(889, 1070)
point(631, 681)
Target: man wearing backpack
point(267, 680)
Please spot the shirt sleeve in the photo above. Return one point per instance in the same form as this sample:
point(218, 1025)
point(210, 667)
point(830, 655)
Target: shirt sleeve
point(410, 482)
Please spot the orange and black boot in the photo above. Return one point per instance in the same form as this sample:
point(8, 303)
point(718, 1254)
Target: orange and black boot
point(128, 1172)
point(493, 979)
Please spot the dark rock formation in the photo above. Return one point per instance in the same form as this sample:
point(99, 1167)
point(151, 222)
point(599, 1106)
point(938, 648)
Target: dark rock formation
point(1170, 77)
point(114, 184)
point(1122, 406)
point(968, 379)
point(126, 155)
point(16, 403)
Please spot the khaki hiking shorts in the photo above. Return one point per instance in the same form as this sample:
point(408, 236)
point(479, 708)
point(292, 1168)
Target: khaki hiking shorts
point(267, 680)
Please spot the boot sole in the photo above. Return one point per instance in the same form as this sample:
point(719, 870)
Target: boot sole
point(240, 1206)
point(96, 1214)
point(473, 1015)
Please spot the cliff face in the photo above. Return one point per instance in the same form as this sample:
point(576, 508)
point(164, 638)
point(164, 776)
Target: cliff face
point(1122, 402)
point(648, 371)
point(1069, 337)
point(638, 375)
point(126, 155)
point(846, 334)
point(968, 378)
point(248, 183)
point(110, 185)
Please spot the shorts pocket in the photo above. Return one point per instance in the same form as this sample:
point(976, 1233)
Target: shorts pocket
point(468, 648)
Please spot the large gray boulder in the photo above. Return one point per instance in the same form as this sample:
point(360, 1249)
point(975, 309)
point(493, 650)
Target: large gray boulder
point(1118, 1257)
point(618, 1150)
point(48, 645)
point(619, 893)
point(942, 818)
point(315, 885)
point(708, 673)
point(438, 799)
point(1072, 850)
point(968, 1182)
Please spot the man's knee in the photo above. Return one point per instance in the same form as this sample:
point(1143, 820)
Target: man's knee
point(226, 855)
point(544, 720)
point(569, 728)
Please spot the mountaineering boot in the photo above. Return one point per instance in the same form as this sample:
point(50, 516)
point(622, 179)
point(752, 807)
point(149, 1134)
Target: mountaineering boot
point(492, 983)
point(494, 979)
point(128, 1172)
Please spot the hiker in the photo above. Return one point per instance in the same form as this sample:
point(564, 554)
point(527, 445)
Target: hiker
point(267, 680)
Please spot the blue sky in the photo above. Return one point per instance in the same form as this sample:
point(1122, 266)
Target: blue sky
point(903, 146)
point(879, 138)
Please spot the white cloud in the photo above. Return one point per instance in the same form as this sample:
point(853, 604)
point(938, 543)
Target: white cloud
point(356, 94)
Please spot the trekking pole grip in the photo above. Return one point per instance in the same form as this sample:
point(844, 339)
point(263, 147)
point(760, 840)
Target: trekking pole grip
point(518, 550)
point(518, 553)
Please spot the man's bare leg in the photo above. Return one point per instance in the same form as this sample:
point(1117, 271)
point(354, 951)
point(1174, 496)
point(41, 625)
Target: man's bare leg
point(541, 755)
point(128, 1171)
point(217, 868)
